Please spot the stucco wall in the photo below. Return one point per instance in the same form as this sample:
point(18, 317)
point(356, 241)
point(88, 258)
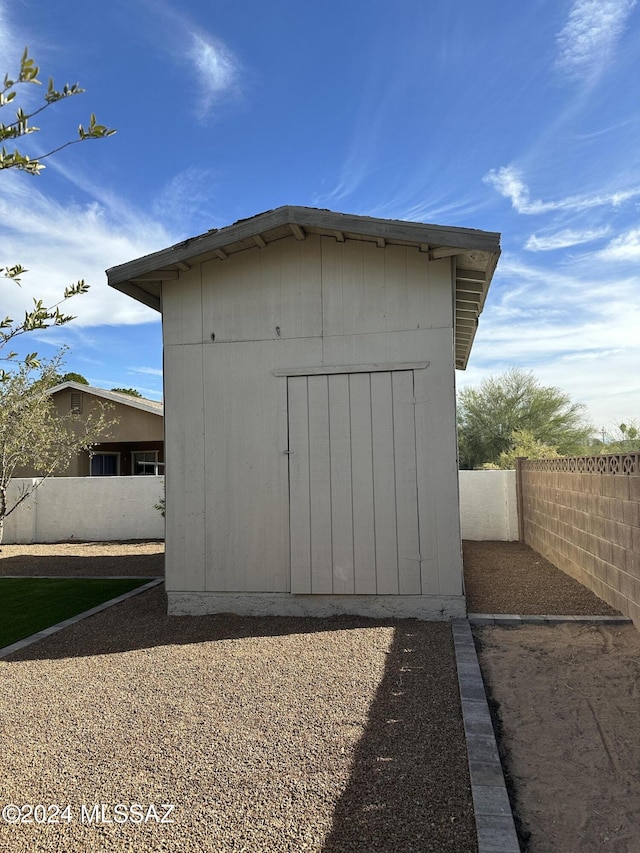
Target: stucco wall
point(63, 508)
point(88, 509)
point(488, 505)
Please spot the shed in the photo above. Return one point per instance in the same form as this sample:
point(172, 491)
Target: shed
point(310, 428)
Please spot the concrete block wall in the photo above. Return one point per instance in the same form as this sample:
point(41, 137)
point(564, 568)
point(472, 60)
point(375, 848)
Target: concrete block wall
point(88, 509)
point(587, 522)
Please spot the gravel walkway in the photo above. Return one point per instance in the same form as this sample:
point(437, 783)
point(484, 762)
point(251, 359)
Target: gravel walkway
point(510, 577)
point(266, 734)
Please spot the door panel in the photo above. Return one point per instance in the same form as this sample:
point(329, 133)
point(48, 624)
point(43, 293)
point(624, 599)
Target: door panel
point(319, 484)
point(364, 555)
point(341, 485)
point(384, 486)
point(353, 485)
point(299, 502)
point(406, 484)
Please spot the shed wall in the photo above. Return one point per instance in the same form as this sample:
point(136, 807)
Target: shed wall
point(228, 325)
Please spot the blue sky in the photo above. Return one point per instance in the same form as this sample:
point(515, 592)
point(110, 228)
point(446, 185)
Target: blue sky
point(510, 117)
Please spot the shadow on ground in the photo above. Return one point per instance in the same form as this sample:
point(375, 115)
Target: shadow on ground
point(142, 622)
point(409, 785)
point(406, 786)
point(96, 565)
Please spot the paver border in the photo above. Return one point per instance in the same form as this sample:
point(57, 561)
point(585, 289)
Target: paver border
point(495, 826)
point(53, 629)
point(535, 619)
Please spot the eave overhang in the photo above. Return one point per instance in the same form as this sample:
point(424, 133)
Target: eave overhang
point(150, 406)
point(475, 252)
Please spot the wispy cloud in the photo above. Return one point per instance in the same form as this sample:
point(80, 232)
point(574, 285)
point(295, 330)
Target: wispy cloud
point(60, 244)
point(7, 43)
point(214, 68)
point(147, 371)
point(507, 180)
point(564, 239)
point(387, 66)
point(625, 247)
point(586, 43)
point(444, 208)
point(11, 44)
point(186, 198)
point(573, 326)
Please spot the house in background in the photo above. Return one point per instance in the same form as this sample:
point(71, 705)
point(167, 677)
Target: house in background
point(309, 369)
point(133, 446)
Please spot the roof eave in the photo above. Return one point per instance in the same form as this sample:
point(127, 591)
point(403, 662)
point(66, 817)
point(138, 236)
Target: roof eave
point(135, 402)
point(125, 277)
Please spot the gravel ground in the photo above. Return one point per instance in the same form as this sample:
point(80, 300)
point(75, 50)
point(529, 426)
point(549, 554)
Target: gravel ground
point(84, 559)
point(266, 734)
point(510, 577)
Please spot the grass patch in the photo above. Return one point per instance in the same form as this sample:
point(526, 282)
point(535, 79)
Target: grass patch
point(27, 605)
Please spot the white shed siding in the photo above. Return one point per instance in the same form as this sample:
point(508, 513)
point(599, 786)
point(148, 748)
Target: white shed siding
point(305, 304)
point(265, 294)
point(440, 543)
point(367, 289)
point(181, 317)
point(185, 476)
point(246, 469)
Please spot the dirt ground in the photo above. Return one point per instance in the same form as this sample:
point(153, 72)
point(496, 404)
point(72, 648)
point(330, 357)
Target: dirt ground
point(567, 701)
point(564, 699)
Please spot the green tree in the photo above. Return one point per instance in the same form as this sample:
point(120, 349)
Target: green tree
point(523, 443)
point(130, 391)
point(489, 415)
point(34, 434)
point(625, 438)
point(19, 127)
point(71, 377)
point(41, 316)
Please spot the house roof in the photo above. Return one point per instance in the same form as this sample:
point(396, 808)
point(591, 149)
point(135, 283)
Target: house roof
point(142, 403)
point(476, 254)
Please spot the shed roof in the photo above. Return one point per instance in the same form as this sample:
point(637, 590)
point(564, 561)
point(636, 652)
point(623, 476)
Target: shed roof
point(476, 253)
point(152, 406)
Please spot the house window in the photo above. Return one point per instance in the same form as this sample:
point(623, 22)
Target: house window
point(105, 465)
point(76, 401)
point(144, 462)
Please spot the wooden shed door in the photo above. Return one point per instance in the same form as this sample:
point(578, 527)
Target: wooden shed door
point(353, 485)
